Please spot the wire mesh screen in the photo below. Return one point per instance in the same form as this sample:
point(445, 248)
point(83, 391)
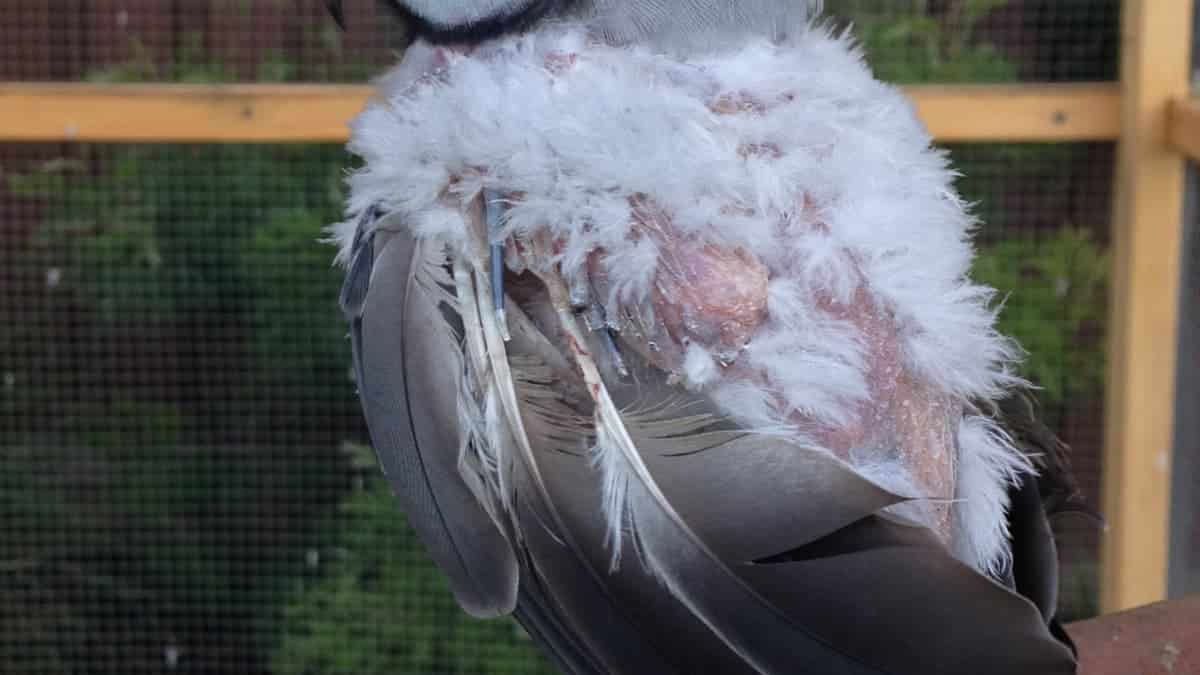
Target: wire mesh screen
point(291, 40)
point(1185, 470)
point(1185, 473)
point(185, 484)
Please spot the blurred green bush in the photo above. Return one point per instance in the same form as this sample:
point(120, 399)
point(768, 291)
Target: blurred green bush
point(943, 45)
point(1057, 289)
point(378, 607)
point(184, 382)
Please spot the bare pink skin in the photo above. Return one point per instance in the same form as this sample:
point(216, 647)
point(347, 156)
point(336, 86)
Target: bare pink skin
point(713, 295)
point(716, 296)
point(903, 413)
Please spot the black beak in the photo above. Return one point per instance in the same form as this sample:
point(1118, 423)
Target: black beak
point(335, 8)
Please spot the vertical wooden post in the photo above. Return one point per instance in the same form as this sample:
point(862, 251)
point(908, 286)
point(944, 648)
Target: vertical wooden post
point(1156, 38)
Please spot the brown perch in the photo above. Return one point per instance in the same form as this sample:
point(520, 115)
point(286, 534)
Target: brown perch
point(1162, 638)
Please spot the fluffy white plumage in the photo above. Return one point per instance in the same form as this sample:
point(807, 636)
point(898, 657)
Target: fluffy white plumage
point(787, 149)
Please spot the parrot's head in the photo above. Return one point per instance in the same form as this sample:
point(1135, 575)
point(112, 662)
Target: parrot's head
point(470, 21)
point(706, 23)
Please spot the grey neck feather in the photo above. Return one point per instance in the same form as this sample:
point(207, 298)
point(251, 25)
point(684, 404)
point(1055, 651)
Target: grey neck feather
point(696, 25)
point(674, 25)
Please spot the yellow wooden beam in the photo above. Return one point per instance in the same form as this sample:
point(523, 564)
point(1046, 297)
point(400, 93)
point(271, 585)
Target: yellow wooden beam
point(318, 113)
point(1148, 216)
point(1183, 127)
point(249, 113)
point(1020, 112)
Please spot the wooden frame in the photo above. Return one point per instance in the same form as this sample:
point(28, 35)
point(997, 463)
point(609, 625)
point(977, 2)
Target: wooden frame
point(1183, 127)
point(1158, 638)
point(318, 113)
point(167, 113)
point(1147, 226)
point(1148, 113)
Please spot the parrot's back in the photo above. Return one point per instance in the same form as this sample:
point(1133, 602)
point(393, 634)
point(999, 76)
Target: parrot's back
point(675, 357)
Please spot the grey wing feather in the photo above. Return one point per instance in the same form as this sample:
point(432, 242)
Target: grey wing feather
point(362, 261)
point(408, 398)
point(769, 487)
point(760, 555)
point(1035, 555)
point(870, 597)
point(847, 592)
point(860, 594)
point(888, 594)
point(541, 620)
point(1034, 502)
point(583, 606)
point(563, 542)
point(633, 626)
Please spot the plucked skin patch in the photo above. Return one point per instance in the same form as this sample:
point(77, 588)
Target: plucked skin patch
point(865, 337)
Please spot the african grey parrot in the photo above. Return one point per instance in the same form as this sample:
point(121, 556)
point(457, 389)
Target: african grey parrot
point(664, 336)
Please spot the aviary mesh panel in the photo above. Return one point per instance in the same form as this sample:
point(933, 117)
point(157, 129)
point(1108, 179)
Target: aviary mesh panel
point(185, 485)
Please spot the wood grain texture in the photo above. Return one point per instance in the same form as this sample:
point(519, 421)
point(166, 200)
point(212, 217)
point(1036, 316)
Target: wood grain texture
point(319, 113)
point(1020, 113)
point(1159, 639)
point(178, 113)
point(1183, 127)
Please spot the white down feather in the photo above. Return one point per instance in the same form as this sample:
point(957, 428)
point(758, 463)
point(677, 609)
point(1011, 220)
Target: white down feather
point(856, 199)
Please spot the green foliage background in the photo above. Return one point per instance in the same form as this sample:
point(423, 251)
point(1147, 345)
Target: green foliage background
point(166, 494)
point(380, 607)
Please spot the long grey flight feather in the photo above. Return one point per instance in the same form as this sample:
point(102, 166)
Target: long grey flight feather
point(416, 437)
point(580, 588)
point(731, 602)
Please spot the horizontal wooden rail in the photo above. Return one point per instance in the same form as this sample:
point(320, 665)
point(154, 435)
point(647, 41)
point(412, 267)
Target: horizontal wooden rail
point(152, 113)
point(1020, 112)
point(255, 113)
point(1183, 127)
point(1159, 639)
